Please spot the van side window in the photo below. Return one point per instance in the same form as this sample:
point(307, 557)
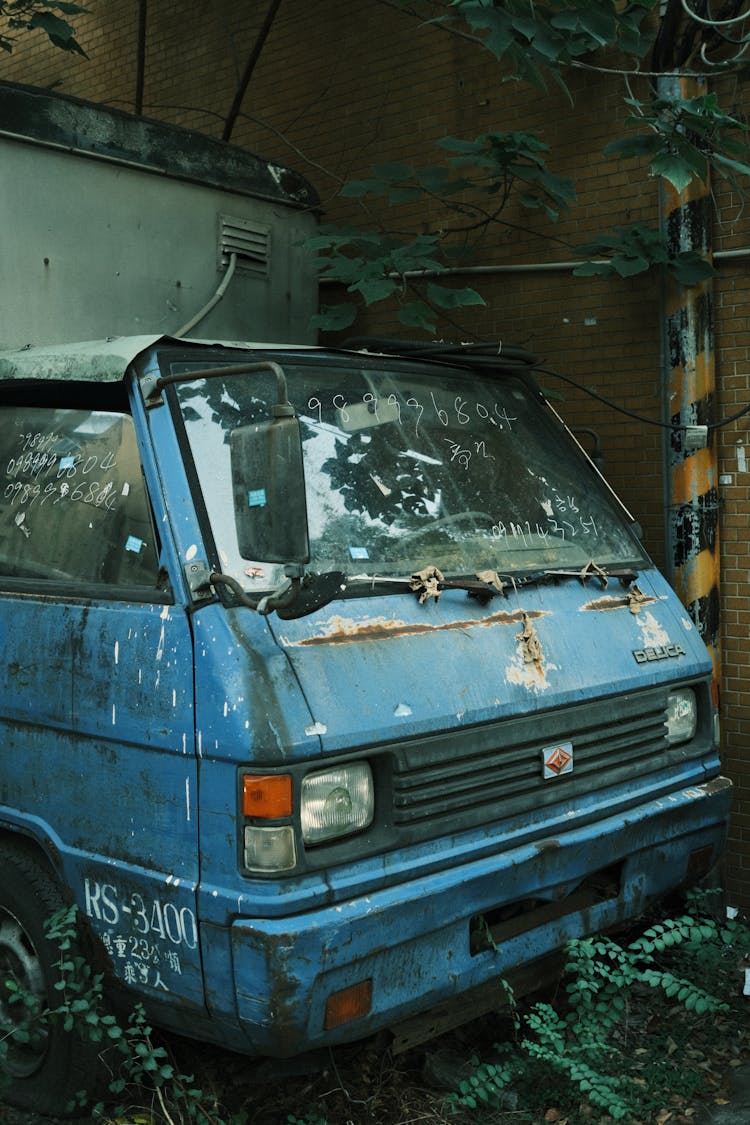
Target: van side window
point(73, 503)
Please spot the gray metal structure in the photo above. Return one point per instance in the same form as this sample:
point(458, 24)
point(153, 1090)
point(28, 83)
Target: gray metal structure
point(113, 225)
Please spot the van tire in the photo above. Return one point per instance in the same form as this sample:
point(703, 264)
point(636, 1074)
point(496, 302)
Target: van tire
point(44, 1076)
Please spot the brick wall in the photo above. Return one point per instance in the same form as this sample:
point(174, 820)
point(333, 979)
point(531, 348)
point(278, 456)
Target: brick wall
point(352, 82)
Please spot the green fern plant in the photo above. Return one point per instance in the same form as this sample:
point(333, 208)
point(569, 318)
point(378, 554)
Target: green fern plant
point(582, 1041)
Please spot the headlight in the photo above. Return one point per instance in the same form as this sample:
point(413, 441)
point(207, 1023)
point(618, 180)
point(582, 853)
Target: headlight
point(336, 802)
point(682, 715)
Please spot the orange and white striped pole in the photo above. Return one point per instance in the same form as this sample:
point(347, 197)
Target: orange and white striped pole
point(693, 524)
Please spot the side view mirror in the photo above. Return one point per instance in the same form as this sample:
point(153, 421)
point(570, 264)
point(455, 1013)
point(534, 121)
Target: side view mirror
point(268, 483)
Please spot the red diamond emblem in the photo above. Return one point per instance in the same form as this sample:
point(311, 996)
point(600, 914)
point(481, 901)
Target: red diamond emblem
point(558, 760)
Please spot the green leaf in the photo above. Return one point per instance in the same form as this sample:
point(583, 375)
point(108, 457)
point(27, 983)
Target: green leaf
point(455, 144)
point(341, 268)
point(540, 39)
point(392, 170)
point(735, 165)
point(374, 289)
point(600, 24)
point(689, 268)
point(671, 168)
point(447, 298)
point(593, 269)
point(334, 318)
point(534, 203)
point(438, 181)
point(415, 256)
point(58, 31)
point(494, 21)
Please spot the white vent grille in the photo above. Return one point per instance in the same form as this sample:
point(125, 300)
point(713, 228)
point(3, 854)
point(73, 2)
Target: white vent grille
point(250, 241)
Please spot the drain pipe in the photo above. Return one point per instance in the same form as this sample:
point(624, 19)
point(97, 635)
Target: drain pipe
point(689, 397)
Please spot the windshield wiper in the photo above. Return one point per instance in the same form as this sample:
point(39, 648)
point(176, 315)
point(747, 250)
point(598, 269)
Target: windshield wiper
point(624, 575)
point(313, 591)
point(301, 594)
point(430, 583)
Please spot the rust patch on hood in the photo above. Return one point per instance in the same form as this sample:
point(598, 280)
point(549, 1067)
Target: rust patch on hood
point(634, 600)
point(343, 630)
point(603, 604)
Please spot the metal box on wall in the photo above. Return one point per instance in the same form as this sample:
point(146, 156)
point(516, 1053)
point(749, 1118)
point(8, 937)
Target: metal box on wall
point(116, 225)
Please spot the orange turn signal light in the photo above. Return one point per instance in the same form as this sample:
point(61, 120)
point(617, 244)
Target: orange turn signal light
point(267, 796)
point(349, 1004)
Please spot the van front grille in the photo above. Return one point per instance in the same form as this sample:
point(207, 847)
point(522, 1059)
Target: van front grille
point(497, 767)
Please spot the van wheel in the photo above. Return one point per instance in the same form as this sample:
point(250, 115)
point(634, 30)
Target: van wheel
point(44, 1074)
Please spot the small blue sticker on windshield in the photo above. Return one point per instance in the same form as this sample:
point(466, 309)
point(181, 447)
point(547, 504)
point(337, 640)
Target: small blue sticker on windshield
point(134, 544)
point(256, 498)
point(67, 462)
point(359, 552)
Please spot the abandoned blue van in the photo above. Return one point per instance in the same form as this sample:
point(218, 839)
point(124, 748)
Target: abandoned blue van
point(336, 686)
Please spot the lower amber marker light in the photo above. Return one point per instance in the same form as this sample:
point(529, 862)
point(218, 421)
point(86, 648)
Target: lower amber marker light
point(352, 1003)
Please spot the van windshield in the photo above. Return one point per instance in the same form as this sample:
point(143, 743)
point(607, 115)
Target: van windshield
point(410, 465)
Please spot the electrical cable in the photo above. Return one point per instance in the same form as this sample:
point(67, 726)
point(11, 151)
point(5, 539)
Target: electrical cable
point(203, 313)
point(508, 358)
point(634, 414)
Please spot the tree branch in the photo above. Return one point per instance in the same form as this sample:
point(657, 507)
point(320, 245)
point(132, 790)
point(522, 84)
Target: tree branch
point(249, 68)
point(140, 71)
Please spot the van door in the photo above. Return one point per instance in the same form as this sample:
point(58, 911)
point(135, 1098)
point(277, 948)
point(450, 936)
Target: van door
point(96, 687)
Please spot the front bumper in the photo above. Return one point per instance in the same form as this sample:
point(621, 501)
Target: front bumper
point(412, 941)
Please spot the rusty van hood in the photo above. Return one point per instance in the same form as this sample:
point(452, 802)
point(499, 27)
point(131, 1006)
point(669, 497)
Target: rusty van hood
point(382, 668)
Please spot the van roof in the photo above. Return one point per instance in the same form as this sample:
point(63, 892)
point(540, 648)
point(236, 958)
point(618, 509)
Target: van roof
point(95, 361)
point(106, 361)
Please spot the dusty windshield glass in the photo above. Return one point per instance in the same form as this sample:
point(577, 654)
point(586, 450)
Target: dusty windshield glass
point(408, 467)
